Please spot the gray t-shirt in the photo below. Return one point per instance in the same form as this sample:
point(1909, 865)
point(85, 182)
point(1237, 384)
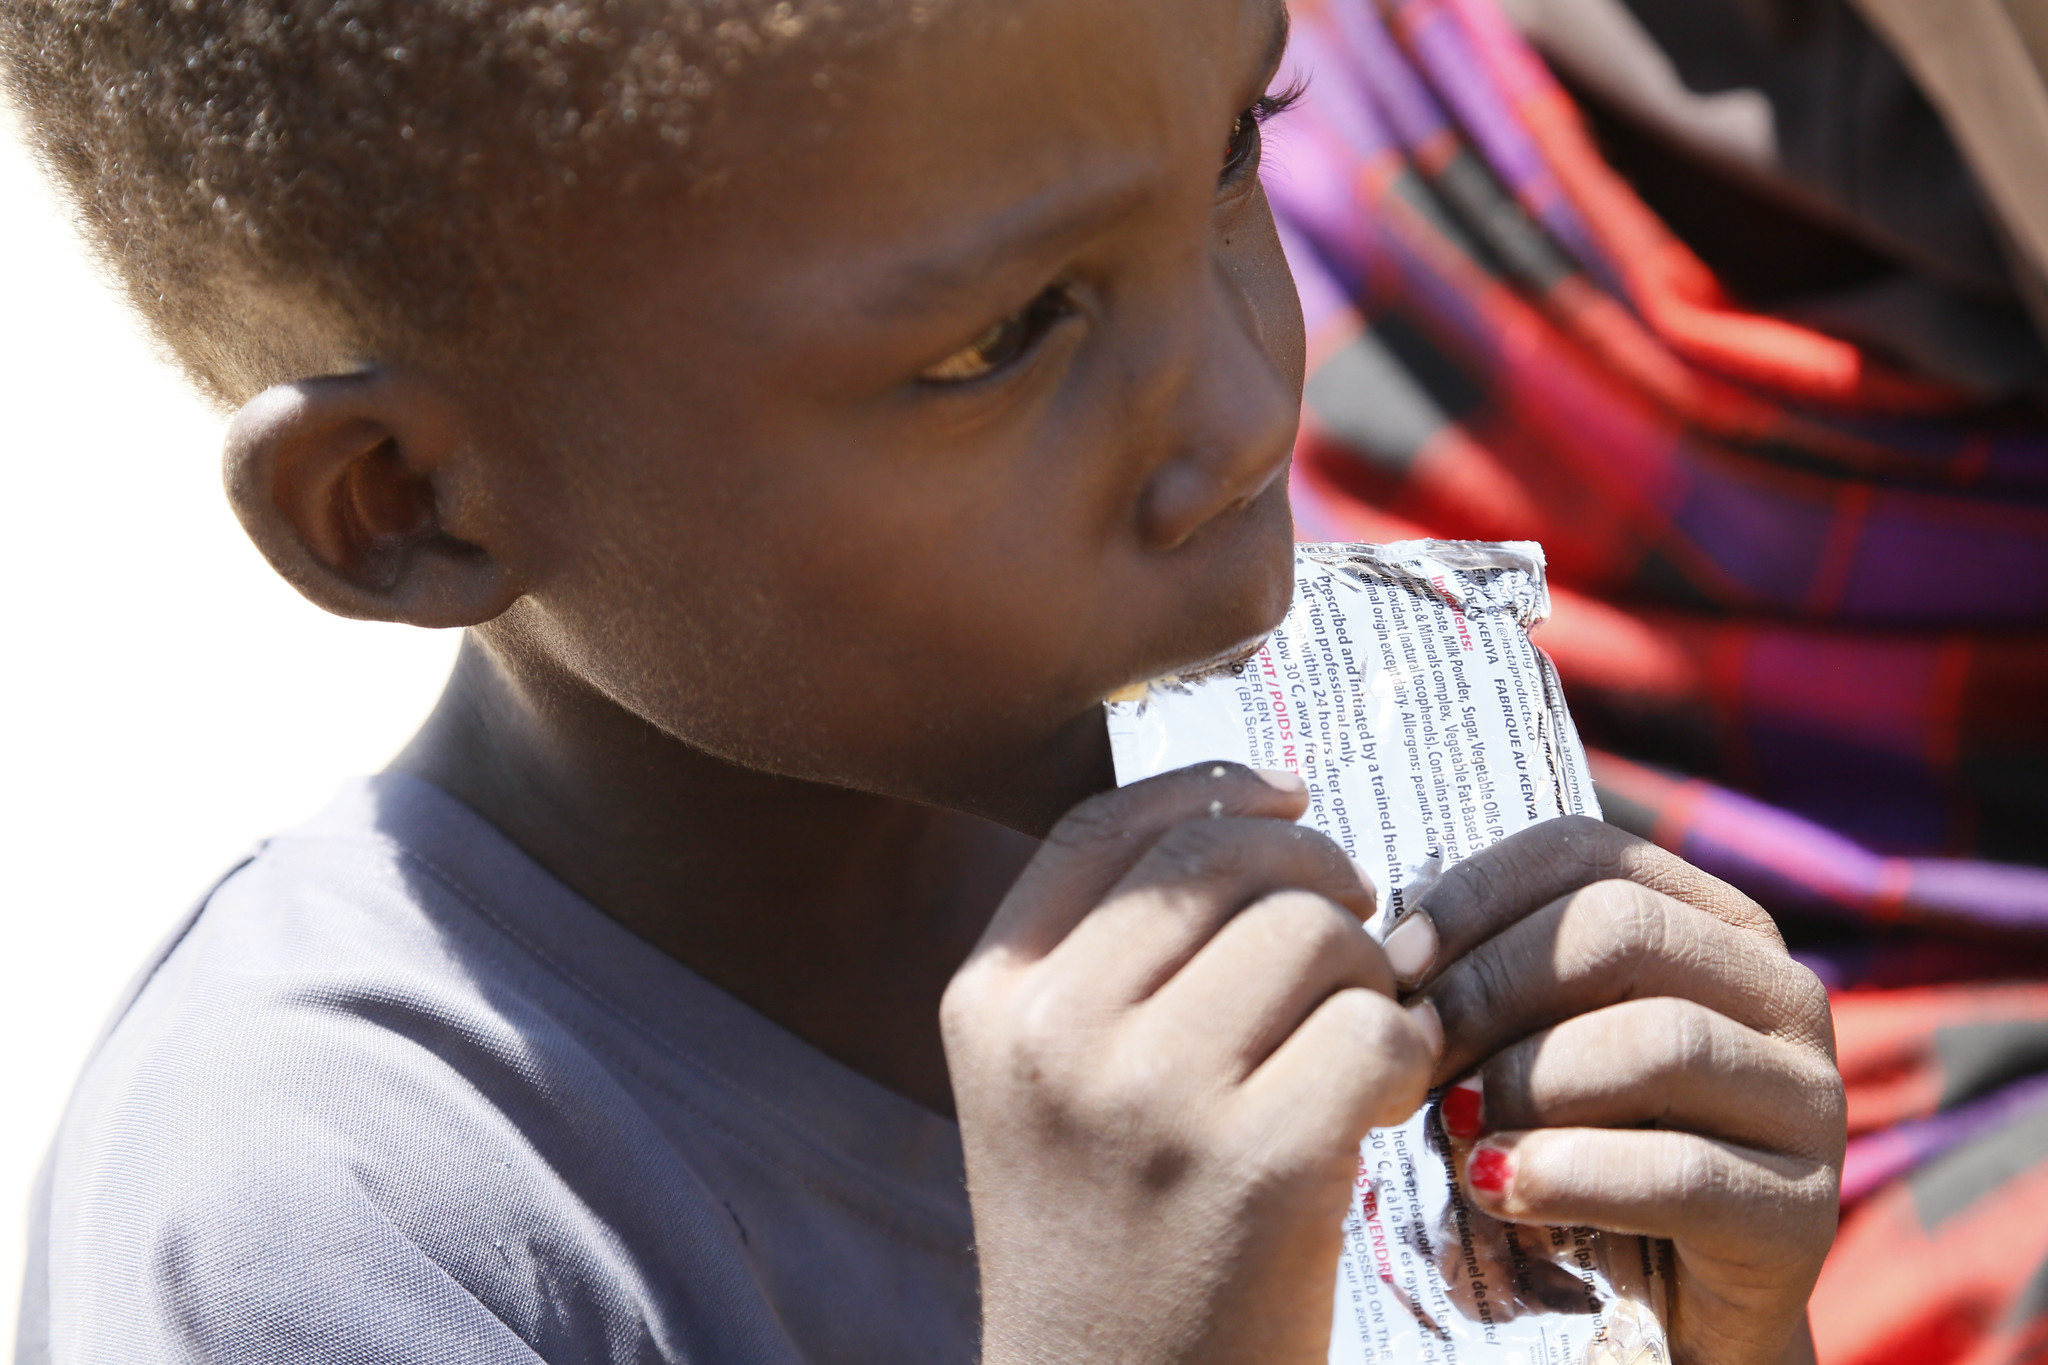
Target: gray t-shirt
point(396, 1094)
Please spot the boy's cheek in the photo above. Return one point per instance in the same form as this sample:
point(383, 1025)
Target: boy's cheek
point(929, 637)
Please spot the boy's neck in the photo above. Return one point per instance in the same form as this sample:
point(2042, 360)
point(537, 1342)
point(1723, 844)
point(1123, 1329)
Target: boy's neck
point(839, 915)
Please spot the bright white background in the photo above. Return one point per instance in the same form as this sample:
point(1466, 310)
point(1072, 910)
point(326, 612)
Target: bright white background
point(164, 699)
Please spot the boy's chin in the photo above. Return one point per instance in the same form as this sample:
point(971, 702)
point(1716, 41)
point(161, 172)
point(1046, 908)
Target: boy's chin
point(1033, 792)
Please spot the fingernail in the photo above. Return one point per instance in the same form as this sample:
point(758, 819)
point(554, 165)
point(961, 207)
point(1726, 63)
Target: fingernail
point(1464, 1109)
point(1490, 1170)
point(1290, 783)
point(1411, 949)
point(1432, 1025)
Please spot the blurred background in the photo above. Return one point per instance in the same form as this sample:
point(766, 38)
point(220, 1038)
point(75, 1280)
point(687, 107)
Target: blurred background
point(167, 701)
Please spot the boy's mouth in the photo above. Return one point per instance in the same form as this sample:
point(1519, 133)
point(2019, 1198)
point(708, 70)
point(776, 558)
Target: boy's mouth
point(1235, 654)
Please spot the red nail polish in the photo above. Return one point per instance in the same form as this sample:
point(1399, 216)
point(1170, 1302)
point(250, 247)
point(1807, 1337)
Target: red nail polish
point(1462, 1117)
point(1489, 1170)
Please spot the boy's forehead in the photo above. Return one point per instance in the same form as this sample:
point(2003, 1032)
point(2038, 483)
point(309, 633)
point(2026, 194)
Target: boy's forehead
point(996, 132)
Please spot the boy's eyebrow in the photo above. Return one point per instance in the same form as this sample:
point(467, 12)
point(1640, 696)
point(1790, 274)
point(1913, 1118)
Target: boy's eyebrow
point(1038, 225)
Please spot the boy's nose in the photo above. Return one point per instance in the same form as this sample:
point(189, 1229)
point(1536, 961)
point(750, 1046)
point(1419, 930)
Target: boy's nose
point(1231, 424)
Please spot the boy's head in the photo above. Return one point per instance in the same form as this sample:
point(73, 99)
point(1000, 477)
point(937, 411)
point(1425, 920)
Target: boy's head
point(854, 391)
point(371, 176)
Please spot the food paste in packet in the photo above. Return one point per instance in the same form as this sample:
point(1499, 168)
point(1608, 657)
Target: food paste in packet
point(1404, 689)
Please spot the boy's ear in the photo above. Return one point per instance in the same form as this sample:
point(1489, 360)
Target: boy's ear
point(352, 487)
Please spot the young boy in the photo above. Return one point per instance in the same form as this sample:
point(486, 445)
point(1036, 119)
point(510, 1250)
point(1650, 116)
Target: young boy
point(812, 411)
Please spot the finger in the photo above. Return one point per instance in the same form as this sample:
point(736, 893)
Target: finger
point(1479, 897)
point(1196, 878)
point(1664, 1061)
point(1617, 941)
point(1103, 837)
point(1252, 985)
point(1357, 1063)
point(1765, 1211)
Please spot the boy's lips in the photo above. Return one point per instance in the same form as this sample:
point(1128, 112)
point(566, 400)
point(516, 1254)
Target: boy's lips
point(1236, 653)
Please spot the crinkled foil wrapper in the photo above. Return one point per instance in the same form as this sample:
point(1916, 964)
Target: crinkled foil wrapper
point(1404, 689)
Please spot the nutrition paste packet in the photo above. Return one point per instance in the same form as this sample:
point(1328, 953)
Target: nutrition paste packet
point(1403, 687)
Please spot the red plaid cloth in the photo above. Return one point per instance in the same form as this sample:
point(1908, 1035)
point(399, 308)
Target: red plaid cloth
point(1802, 605)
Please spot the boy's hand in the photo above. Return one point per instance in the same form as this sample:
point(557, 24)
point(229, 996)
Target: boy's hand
point(1650, 1060)
point(1165, 1052)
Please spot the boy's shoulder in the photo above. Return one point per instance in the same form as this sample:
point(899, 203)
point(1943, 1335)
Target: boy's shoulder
point(395, 1087)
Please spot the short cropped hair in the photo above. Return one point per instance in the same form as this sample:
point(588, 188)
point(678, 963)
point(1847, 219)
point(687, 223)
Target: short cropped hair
point(284, 187)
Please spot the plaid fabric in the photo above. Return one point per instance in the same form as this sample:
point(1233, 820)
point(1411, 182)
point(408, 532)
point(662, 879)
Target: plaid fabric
point(1801, 605)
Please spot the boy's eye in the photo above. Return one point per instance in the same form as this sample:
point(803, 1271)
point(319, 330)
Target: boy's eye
point(1003, 344)
point(1243, 147)
point(1243, 144)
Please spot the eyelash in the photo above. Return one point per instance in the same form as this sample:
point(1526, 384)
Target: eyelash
point(1242, 149)
point(1017, 335)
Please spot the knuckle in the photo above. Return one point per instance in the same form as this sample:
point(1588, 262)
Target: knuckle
point(1046, 1032)
point(967, 1002)
point(1464, 893)
point(1621, 922)
point(1315, 859)
point(1802, 1209)
point(1629, 857)
point(1140, 1089)
point(1634, 858)
point(1693, 1038)
point(1829, 1100)
point(1724, 902)
point(1314, 841)
point(1101, 819)
point(1666, 1039)
point(1703, 1175)
point(1808, 1000)
point(1336, 866)
point(1487, 986)
point(1360, 1013)
point(1206, 850)
point(1819, 1196)
point(1039, 1030)
point(1389, 1061)
point(1594, 844)
point(1374, 1024)
point(958, 1012)
point(1321, 926)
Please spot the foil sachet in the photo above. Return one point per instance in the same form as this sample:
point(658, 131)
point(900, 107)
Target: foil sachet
point(1404, 688)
